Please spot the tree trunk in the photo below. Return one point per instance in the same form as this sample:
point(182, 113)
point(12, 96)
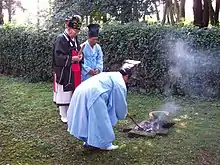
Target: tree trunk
point(171, 12)
point(165, 13)
point(1, 14)
point(38, 14)
point(87, 20)
point(206, 13)
point(197, 10)
point(135, 11)
point(168, 12)
point(157, 12)
point(211, 14)
point(9, 10)
point(177, 10)
point(126, 12)
point(168, 18)
point(216, 16)
point(182, 10)
point(50, 7)
point(90, 19)
point(104, 18)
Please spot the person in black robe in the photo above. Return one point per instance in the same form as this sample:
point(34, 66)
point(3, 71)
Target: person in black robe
point(65, 45)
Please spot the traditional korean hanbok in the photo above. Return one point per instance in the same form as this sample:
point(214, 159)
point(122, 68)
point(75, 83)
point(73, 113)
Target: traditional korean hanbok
point(67, 75)
point(93, 59)
point(96, 106)
point(92, 52)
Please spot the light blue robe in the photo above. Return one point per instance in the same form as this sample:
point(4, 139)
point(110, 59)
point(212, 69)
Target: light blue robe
point(96, 106)
point(93, 59)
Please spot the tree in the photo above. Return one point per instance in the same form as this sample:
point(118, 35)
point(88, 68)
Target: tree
point(168, 12)
point(174, 11)
point(11, 6)
point(182, 10)
point(204, 13)
point(124, 11)
point(1, 13)
point(214, 14)
point(156, 10)
point(197, 10)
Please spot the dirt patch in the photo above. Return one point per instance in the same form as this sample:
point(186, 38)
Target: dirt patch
point(206, 157)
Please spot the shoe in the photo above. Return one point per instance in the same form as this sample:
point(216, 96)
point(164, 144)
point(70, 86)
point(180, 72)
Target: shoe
point(112, 147)
point(85, 144)
point(64, 119)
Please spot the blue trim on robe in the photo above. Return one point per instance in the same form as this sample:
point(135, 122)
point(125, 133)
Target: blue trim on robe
point(96, 106)
point(93, 59)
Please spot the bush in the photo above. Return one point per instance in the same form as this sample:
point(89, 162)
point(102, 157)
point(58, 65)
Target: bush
point(181, 59)
point(175, 60)
point(26, 53)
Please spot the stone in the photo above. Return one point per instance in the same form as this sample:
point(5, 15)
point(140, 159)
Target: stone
point(136, 133)
point(133, 131)
point(128, 128)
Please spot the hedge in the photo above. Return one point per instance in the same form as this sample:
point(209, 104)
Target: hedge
point(181, 60)
point(25, 53)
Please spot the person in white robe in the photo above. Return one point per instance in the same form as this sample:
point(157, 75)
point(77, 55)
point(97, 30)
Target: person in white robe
point(93, 55)
point(96, 106)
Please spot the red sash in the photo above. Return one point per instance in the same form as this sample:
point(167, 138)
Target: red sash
point(76, 71)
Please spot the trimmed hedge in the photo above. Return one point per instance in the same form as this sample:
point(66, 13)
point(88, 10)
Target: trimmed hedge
point(183, 59)
point(26, 53)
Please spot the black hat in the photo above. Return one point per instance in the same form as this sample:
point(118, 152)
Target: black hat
point(127, 67)
point(74, 22)
point(93, 30)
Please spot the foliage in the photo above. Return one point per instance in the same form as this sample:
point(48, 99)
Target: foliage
point(26, 52)
point(158, 48)
point(32, 133)
point(11, 6)
point(121, 10)
point(162, 50)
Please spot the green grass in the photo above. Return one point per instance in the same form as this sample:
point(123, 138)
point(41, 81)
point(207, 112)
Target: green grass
point(32, 133)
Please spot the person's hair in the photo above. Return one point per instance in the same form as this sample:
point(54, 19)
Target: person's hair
point(125, 72)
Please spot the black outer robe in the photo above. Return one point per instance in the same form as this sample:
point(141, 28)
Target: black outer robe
point(62, 60)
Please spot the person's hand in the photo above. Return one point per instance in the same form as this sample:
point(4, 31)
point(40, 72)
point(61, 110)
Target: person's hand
point(75, 59)
point(92, 72)
point(96, 71)
point(80, 56)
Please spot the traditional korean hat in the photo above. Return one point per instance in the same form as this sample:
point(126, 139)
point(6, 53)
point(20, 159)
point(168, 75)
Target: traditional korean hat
point(74, 22)
point(126, 68)
point(93, 30)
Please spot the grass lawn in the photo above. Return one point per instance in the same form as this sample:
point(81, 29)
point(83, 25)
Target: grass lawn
point(32, 133)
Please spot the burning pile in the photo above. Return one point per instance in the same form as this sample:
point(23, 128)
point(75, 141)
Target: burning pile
point(158, 124)
point(158, 120)
point(149, 126)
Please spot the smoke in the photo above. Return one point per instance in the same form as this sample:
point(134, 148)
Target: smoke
point(192, 73)
point(170, 107)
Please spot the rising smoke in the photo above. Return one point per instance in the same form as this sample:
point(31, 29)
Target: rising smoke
point(194, 73)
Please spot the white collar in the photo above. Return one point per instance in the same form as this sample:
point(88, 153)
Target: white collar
point(66, 32)
point(67, 36)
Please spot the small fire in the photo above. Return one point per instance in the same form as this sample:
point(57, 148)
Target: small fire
point(158, 120)
point(150, 126)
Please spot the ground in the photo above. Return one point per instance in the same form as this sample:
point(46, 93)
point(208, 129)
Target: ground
point(31, 132)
